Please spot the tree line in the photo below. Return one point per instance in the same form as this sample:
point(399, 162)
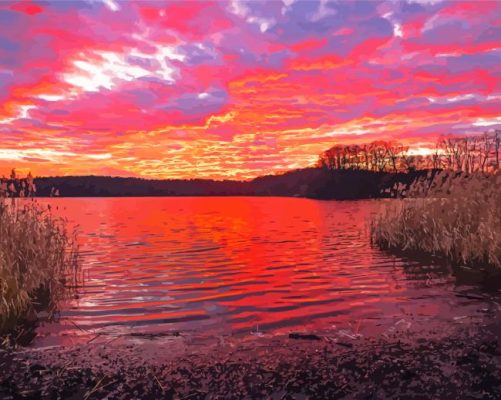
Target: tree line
point(459, 153)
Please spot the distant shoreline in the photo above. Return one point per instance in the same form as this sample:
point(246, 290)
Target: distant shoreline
point(314, 183)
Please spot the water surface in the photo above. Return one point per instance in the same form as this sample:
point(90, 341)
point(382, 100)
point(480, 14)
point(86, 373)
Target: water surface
point(241, 265)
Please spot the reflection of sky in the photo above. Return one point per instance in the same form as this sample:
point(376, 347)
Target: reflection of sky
point(229, 265)
point(236, 88)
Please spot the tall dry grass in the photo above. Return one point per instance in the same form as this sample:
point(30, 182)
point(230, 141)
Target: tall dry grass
point(450, 214)
point(38, 260)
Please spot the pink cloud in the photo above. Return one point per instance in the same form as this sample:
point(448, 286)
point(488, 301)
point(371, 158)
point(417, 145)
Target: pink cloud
point(192, 89)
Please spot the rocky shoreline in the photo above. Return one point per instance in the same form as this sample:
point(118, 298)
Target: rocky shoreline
point(462, 364)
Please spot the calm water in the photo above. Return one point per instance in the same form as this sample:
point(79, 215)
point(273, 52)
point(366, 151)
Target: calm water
point(239, 265)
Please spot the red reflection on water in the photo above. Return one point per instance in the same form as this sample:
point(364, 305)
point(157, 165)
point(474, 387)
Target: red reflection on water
point(238, 262)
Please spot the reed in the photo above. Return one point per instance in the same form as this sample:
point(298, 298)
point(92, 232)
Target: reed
point(449, 214)
point(38, 261)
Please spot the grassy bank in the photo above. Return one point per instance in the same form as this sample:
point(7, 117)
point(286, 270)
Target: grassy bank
point(38, 258)
point(457, 216)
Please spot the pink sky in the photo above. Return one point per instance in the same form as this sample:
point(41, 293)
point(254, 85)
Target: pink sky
point(237, 89)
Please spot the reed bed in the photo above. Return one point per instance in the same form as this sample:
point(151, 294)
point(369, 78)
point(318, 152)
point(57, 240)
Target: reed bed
point(38, 261)
point(450, 214)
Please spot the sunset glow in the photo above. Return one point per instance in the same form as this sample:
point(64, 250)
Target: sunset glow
point(237, 89)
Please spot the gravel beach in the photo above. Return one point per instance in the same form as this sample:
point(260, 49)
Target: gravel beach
point(465, 364)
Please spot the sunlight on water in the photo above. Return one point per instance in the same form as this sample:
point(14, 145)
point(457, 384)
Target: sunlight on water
point(238, 265)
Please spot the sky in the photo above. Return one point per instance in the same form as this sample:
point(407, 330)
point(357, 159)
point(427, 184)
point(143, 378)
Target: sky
point(237, 89)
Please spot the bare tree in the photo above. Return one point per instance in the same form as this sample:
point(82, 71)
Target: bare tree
point(459, 153)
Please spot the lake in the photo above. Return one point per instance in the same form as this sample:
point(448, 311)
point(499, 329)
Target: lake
point(247, 265)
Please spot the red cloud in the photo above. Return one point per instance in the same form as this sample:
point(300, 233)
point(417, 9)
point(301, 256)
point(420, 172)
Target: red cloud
point(193, 89)
point(27, 7)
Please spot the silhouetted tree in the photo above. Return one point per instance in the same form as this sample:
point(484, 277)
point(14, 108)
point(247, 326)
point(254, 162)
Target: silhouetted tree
point(459, 153)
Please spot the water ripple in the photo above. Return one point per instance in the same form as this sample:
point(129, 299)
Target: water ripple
point(229, 265)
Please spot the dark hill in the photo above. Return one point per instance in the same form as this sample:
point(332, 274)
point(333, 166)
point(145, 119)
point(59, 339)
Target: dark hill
point(318, 183)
